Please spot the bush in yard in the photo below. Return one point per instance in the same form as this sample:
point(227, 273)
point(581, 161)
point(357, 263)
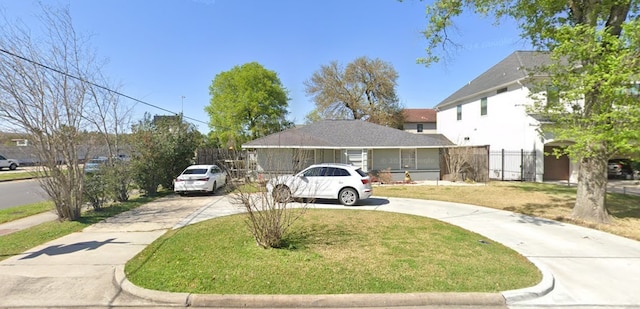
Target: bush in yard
point(269, 216)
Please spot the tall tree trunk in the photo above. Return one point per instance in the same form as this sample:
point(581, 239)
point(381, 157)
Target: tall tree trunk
point(592, 189)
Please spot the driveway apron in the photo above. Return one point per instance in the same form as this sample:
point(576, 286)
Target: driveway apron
point(78, 270)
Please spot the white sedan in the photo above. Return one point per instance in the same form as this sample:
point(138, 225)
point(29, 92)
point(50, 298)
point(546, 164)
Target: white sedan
point(200, 178)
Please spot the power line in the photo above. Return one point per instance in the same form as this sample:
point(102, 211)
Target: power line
point(96, 85)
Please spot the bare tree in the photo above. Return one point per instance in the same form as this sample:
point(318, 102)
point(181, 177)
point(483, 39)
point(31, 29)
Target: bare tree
point(271, 213)
point(364, 89)
point(45, 92)
point(465, 163)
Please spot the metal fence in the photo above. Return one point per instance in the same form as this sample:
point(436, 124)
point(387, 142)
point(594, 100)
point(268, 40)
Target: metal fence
point(512, 165)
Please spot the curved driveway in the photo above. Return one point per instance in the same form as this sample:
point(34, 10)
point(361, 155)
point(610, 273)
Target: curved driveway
point(591, 268)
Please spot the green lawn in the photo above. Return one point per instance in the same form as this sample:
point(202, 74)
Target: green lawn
point(331, 252)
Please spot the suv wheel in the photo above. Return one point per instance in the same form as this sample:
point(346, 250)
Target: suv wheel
point(348, 197)
point(282, 194)
point(13, 166)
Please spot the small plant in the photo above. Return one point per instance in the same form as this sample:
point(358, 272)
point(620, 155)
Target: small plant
point(385, 175)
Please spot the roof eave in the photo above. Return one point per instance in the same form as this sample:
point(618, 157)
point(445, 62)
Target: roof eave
point(442, 105)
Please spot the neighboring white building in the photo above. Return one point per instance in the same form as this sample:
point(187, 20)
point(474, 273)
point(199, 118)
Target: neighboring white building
point(492, 110)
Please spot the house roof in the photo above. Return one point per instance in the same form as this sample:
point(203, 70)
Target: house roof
point(514, 67)
point(334, 134)
point(413, 115)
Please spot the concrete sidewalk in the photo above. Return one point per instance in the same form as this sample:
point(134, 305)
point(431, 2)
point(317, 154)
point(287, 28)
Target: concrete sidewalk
point(583, 268)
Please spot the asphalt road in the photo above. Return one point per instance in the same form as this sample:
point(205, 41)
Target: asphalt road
point(20, 192)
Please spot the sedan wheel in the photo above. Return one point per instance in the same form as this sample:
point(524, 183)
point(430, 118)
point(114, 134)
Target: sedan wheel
point(213, 188)
point(348, 196)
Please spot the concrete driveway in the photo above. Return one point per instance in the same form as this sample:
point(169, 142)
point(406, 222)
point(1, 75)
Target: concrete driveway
point(584, 268)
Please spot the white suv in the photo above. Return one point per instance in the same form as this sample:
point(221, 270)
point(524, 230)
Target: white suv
point(346, 183)
point(8, 163)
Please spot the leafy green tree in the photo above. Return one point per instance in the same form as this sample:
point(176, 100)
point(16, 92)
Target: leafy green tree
point(162, 148)
point(595, 51)
point(247, 102)
point(364, 89)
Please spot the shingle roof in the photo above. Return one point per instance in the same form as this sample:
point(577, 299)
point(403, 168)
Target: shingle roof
point(348, 134)
point(419, 115)
point(514, 67)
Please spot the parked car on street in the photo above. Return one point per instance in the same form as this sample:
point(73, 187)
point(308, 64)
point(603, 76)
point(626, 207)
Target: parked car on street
point(620, 168)
point(95, 164)
point(346, 183)
point(200, 178)
point(11, 164)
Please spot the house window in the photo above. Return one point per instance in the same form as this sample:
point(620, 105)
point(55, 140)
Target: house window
point(553, 95)
point(459, 112)
point(483, 106)
point(408, 159)
point(420, 127)
point(501, 90)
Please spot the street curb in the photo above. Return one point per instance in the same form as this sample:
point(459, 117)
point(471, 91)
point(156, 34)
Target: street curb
point(545, 286)
point(120, 280)
point(308, 301)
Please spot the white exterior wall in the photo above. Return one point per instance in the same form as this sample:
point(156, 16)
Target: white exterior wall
point(505, 126)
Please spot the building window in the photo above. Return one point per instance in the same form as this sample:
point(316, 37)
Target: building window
point(408, 159)
point(483, 106)
point(420, 128)
point(501, 90)
point(553, 96)
point(459, 112)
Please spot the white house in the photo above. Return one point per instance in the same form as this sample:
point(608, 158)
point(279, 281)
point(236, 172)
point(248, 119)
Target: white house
point(492, 110)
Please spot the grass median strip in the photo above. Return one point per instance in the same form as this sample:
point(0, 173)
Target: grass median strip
point(331, 252)
point(19, 212)
point(18, 175)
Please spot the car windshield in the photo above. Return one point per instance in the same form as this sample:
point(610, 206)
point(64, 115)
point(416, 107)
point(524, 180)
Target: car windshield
point(195, 171)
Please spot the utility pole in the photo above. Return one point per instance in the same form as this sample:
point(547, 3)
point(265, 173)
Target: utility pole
point(182, 105)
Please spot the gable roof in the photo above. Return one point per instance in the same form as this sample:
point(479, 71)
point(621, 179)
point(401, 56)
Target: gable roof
point(333, 134)
point(412, 115)
point(514, 67)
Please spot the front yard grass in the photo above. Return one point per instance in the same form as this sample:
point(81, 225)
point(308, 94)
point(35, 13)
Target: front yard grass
point(549, 201)
point(331, 252)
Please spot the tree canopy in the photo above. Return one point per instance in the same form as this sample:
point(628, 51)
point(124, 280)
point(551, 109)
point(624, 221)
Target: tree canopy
point(590, 89)
point(364, 89)
point(162, 147)
point(247, 102)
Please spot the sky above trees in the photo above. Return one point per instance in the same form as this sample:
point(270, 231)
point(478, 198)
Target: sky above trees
point(162, 51)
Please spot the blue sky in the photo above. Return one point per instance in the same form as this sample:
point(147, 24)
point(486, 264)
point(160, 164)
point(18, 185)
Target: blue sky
point(162, 50)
